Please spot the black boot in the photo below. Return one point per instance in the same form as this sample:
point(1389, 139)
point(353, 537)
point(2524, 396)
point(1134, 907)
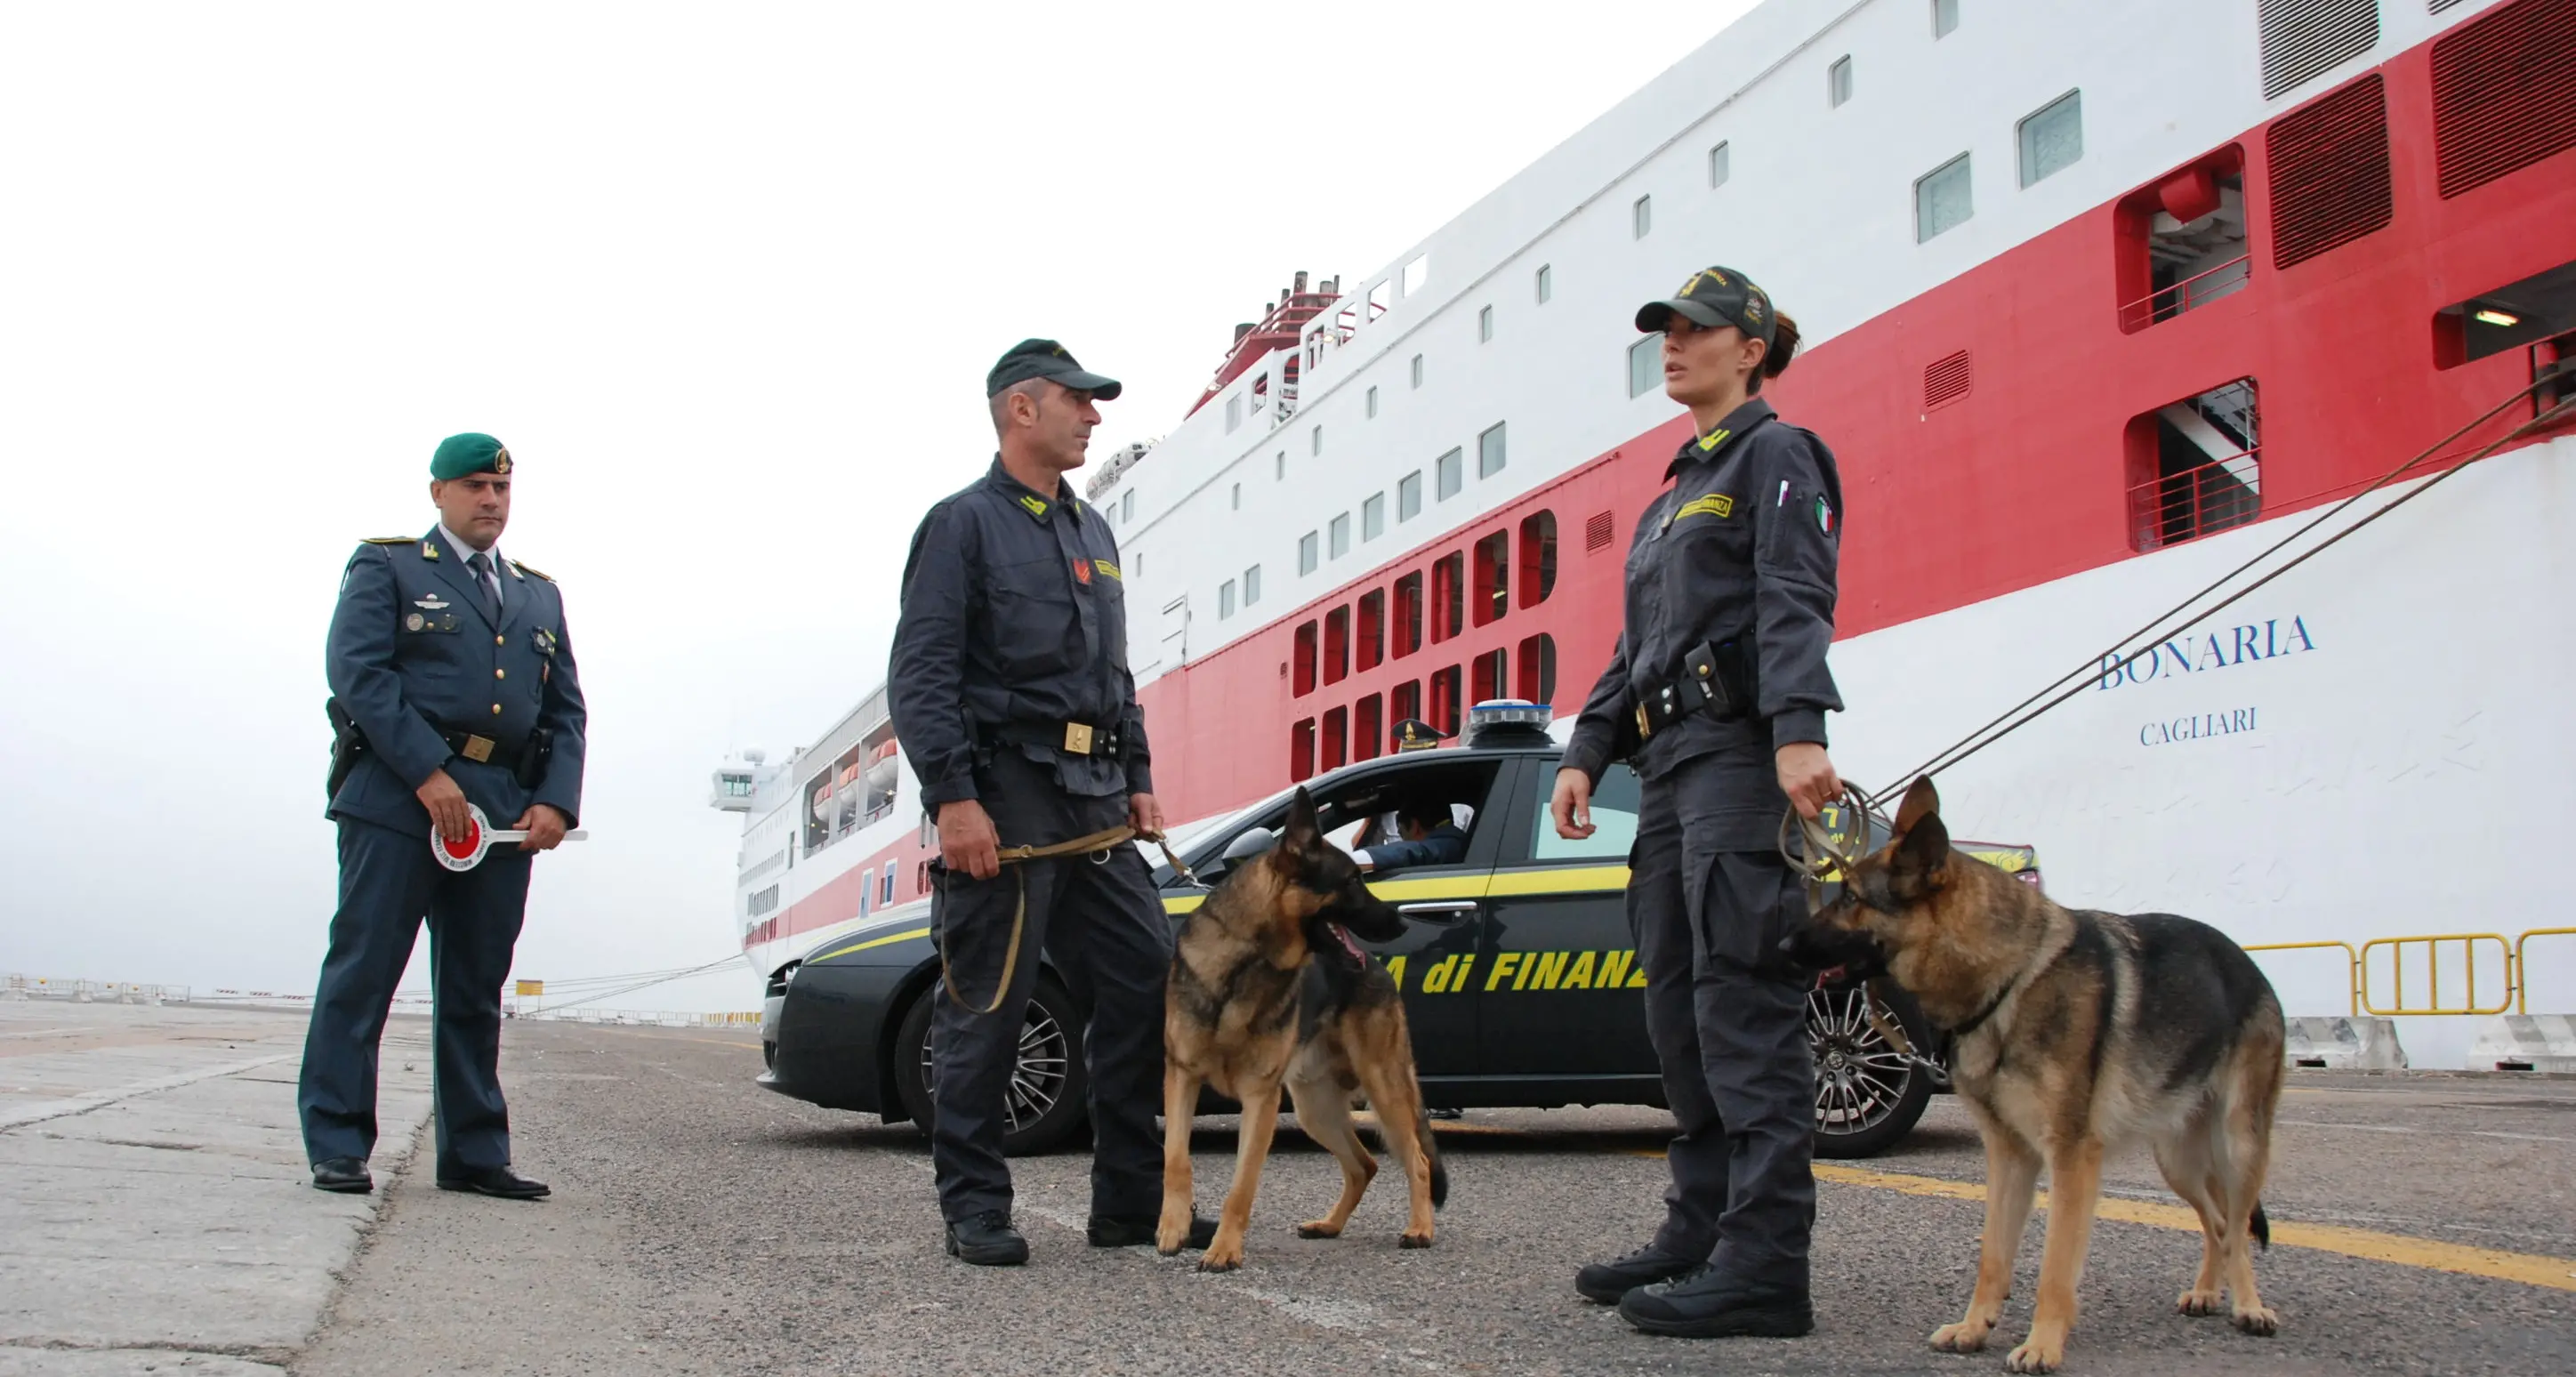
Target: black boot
point(347, 1175)
point(495, 1181)
point(1606, 1282)
point(1720, 1304)
point(987, 1240)
point(1126, 1231)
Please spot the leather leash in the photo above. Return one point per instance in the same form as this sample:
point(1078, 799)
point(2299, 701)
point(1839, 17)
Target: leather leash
point(1098, 844)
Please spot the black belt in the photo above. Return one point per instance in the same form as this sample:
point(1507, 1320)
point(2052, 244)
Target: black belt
point(1072, 738)
point(1713, 681)
point(485, 749)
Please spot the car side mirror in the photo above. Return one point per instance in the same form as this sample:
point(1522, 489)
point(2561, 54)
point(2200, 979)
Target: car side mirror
point(1254, 842)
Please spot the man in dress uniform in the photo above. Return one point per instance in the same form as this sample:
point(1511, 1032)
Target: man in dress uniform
point(452, 683)
point(1011, 695)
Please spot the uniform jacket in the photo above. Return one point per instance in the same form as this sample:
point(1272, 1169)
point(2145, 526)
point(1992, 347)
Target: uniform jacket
point(1742, 547)
point(1014, 610)
point(1445, 846)
point(413, 653)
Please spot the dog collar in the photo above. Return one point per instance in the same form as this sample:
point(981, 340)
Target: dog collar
point(1979, 1017)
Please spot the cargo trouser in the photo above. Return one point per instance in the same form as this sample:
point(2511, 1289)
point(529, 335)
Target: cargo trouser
point(1728, 1020)
point(1101, 923)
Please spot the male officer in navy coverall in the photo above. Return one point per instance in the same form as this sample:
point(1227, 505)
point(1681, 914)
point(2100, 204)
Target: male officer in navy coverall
point(1010, 693)
point(453, 670)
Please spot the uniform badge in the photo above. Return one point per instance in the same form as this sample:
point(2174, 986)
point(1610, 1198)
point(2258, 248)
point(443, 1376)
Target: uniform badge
point(1082, 571)
point(501, 462)
point(1824, 517)
point(415, 622)
point(433, 602)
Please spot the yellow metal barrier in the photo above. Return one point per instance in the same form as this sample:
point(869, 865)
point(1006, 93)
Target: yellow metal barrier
point(2433, 944)
point(2351, 962)
point(2521, 968)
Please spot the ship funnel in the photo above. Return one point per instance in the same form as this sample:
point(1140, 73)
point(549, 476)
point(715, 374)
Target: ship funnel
point(1301, 282)
point(1241, 329)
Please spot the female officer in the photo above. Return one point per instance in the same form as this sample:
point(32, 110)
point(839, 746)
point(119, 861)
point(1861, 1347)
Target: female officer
point(1718, 691)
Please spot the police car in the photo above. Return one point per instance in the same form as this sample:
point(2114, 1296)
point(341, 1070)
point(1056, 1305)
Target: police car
point(1520, 978)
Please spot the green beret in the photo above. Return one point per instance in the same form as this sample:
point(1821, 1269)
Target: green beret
point(459, 455)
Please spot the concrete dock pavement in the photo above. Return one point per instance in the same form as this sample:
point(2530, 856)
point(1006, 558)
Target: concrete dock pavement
point(155, 1214)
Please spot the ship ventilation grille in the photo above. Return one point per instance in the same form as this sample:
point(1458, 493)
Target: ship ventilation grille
point(2504, 92)
point(1946, 380)
point(1599, 532)
point(2330, 182)
point(2437, 6)
point(2303, 38)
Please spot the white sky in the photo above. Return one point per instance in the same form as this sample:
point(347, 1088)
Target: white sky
point(725, 280)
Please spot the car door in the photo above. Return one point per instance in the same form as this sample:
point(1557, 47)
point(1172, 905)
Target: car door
point(1563, 997)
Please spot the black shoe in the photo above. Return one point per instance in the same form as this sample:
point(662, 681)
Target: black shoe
point(1606, 1282)
point(347, 1175)
point(1718, 1305)
point(1117, 1231)
point(498, 1181)
point(987, 1240)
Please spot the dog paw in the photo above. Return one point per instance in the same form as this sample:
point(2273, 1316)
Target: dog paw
point(1964, 1337)
point(1222, 1256)
point(2197, 1302)
point(1316, 1228)
point(2035, 1356)
point(2260, 1321)
point(1414, 1241)
point(1173, 1251)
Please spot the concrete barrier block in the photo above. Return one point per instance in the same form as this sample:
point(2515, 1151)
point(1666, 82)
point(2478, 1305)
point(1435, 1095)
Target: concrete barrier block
point(2345, 1044)
point(2525, 1042)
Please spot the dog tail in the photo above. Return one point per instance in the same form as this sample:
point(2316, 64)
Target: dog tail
point(2261, 1227)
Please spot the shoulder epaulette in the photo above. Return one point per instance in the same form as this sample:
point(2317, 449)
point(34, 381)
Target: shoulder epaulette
point(531, 570)
point(391, 540)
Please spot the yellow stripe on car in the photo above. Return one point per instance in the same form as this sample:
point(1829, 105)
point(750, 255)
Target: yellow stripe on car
point(888, 940)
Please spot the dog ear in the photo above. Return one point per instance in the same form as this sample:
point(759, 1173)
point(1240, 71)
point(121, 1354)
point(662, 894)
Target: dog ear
point(1924, 850)
point(1921, 801)
point(1301, 833)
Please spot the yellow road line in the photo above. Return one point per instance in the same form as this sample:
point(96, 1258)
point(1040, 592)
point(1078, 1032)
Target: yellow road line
point(2530, 1269)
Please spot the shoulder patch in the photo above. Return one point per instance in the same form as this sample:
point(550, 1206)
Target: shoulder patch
point(390, 540)
point(531, 570)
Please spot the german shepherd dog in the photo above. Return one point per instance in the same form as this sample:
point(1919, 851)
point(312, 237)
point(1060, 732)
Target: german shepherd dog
point(2076, 1034)
point(1268, 989)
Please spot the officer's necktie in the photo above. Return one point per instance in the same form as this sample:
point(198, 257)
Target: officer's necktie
point(481, 564)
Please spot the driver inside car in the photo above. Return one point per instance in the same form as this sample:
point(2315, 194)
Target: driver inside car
point(1429, 835)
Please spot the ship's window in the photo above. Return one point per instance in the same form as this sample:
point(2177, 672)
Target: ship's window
point(1838, 81)
point(1645, 364)
point(1252, 585)
point(1489, 451)
point(1403, 703)
point(1279, 465)
point(1417, 370)
point(1370, 644)
point(1337, 738)
point(1314, 445)
point(2053, 139)
point(1301, 751)
point(921, 878)
point(1452, 468)
point(1380, 297)
point(1306, 553)
point(1945, 17)
point(2514, 316)
point(2195, 467)
point(1546, 282)
point(1491, 674)
point(1233, 412)
point(1408, 496)
point(1259, 407)
point(1302, 661)
point(1718, 170)
point(1538, 557)
point(1372, 517)
point(1337, 645)
point(1493, 578)
point(1538, 669)
point(1225, 600)
point(1641, 217)
point(1368, 728)
point(1408, 616)
point(1941, 199)
point(1341, 535)
point(1448, 595)
point(1238, 497)
point(1127, 508)
point(2306, 38)
point(2182, 240)
point(1417, 273)
point(1445, 687)
point(1484, 324)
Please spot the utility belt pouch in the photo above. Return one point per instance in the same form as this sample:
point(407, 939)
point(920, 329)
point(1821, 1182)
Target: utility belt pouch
point(533, 757)
point(1715, 680)
point(348, 744)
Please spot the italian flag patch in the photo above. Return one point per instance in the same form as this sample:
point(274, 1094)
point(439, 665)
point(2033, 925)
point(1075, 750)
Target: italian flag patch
point(1824, 517)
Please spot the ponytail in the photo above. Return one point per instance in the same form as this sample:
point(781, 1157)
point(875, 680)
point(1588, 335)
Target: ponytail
point(1775, 359)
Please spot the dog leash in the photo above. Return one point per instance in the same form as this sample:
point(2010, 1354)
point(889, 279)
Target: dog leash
point(1821, 858)
point(1099, 844)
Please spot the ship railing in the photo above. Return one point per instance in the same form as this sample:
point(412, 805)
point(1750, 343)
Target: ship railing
point(2201, 500)
point(2197, 290)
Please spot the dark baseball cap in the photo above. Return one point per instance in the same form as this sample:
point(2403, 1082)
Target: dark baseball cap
point(1714, 297)
point(1044, 358)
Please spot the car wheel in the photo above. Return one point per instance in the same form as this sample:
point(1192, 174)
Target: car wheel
point(1044, 1102)
point(1868, 1092)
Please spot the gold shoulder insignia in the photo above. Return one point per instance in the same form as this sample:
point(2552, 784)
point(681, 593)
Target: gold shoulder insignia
point(390, 540)
point(532, 570)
